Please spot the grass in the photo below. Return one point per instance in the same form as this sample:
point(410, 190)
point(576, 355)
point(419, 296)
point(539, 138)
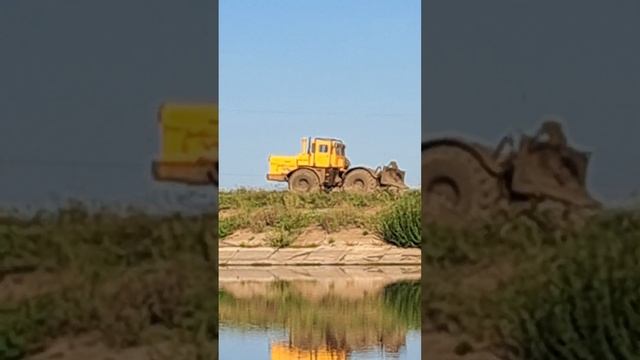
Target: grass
point(123, 275)
point(257, 199)
point(284, 215)
point(534, 294)
point(403, 300)
point(401, 223)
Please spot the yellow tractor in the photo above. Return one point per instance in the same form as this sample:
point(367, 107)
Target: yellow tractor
point(189, 144)
point(322, 165)
point(467, 179)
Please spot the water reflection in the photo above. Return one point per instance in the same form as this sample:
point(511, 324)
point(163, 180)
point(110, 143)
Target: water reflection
point(320, 313)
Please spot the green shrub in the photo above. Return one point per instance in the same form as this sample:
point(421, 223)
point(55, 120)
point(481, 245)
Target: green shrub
point(401, 224)
point(227, 226)
point(22, 325)
point(582, 303)
point(281, 238)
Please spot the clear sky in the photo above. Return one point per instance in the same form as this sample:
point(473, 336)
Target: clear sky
point(334, 68)
point(80, 83)
point(496, 66)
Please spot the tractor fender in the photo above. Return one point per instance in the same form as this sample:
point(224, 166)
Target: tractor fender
point(481, 152)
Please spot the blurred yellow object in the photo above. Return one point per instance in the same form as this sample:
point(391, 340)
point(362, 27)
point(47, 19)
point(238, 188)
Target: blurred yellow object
point(285, 352)
point(188, 144)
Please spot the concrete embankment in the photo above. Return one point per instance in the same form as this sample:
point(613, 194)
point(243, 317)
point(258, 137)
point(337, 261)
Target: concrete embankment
point(321, 255)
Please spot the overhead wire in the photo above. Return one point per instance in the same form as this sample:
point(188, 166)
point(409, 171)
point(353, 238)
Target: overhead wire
point(113, 164)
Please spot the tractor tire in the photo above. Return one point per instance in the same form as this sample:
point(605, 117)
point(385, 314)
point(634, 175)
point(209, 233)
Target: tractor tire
point(359, 180)
point(304, 181)
point(456, 184)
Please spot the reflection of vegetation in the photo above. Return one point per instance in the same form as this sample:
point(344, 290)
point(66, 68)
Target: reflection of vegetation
point(540, 294)
point(120, 274)
point(403, 299)
point(285, 214)
point(331, 321)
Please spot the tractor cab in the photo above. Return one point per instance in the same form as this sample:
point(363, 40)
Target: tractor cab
point(324, 152)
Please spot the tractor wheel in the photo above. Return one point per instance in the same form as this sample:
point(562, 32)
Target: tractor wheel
point(455, 183)
point(359, 180)
point(304, 181)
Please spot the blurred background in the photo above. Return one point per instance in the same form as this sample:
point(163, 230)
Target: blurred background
point(81, 84)
point(489, 74)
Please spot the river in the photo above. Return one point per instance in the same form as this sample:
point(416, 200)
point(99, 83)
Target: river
point(319, 313)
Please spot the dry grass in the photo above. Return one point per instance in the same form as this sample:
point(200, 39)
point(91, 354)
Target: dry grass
point(528, 293)
point(284, 216)
point(119, 274)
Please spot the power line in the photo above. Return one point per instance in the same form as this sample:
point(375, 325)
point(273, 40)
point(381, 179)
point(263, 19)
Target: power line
point(69, 164)
point(326, 113)
point(243, 175)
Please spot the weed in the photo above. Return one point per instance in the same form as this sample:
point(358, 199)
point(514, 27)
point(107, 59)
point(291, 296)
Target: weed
point(568, 294)
point(281, 238)
point(336, 219)
point(401, 224)
point(285, 214)
point(132, 271)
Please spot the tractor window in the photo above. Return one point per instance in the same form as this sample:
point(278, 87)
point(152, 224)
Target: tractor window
point(339, 151)
point(324, 148)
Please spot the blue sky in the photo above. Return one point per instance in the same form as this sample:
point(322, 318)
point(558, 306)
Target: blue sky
point(345, 69)
point(243, 344)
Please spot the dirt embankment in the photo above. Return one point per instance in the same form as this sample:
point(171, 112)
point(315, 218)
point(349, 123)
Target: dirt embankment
point(282, 219)
point(270, 228)
point(311, 236)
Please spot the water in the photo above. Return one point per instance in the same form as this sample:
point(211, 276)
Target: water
point(325, 313)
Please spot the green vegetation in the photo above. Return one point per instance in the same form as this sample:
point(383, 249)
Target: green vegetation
point(284, 215)
point(401, 224)
point(135, 278)
point(258, 199)
point(403, 299)
point(534, 294)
